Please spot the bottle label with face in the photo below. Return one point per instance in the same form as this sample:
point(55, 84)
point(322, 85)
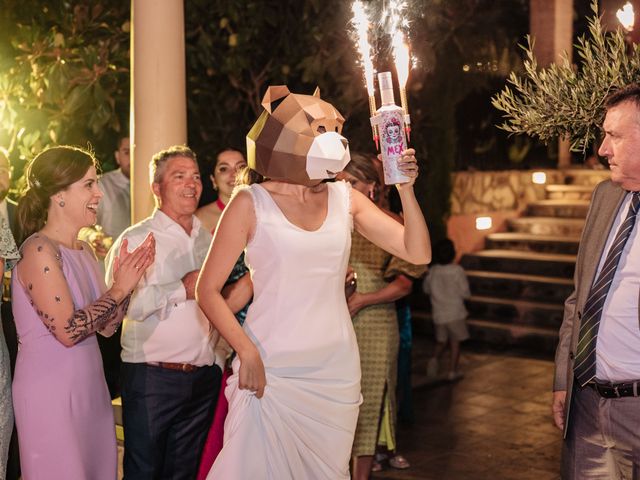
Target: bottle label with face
point(393, 142)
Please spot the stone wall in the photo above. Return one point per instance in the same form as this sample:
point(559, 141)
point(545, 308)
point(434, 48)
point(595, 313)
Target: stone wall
point(501, 195)
point(486, 192)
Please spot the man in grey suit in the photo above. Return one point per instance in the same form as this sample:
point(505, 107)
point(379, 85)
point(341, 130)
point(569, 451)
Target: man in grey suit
point(597, 376)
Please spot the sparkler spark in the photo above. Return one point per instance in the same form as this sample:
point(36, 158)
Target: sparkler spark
point(361, 23)
point(400, 53)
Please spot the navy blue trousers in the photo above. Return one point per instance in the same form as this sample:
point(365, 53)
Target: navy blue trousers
point(166, 416)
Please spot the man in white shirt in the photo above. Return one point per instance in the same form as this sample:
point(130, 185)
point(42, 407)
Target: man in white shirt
point(114, 211)
point(597, 378)
point(170, 374)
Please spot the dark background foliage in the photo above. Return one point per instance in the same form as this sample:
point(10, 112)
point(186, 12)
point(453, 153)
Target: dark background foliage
point(64, 77)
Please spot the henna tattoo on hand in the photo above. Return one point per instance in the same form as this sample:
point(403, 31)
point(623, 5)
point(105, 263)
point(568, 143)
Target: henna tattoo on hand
point(92, 318)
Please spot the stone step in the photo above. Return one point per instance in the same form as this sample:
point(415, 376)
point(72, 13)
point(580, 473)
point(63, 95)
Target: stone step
point(568, 192)
point(558, 208)
point(527, 263)
point(540, 340)
point(516, 311)
point(533, 243)
point(568, 227)
point(518, 286)
point(585, 176)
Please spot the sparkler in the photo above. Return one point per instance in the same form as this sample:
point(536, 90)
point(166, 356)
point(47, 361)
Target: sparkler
point(361, 24)
point(401, 56)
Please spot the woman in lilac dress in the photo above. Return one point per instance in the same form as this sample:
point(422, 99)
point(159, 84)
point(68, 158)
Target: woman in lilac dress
point(63, 413)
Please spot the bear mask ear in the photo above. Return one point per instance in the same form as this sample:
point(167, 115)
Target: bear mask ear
point(316, 92)
point(274, 96)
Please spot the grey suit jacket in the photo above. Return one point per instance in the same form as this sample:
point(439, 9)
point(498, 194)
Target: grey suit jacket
point(606, 200)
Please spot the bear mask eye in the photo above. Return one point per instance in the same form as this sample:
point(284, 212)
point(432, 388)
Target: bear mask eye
point(322, 129)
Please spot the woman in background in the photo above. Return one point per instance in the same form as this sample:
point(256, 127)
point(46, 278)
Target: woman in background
point(62, 407)
point(381, 281)
point(223, 177)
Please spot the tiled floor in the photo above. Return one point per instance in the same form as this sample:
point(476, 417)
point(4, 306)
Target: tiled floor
point(493, 424)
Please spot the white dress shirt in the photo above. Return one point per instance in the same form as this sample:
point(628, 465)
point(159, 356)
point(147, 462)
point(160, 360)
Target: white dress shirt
point(114, 210)
point(618, 342)
point(162, 325)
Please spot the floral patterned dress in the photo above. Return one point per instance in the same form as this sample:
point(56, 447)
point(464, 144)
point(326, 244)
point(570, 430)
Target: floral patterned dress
point(376, 328)
point(9, 253)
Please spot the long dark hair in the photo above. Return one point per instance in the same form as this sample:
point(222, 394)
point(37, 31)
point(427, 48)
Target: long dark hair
point(50, 172)
point(362, 167)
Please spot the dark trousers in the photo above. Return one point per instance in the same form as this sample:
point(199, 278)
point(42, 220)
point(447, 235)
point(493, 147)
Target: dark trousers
point(110, 350)
point(166, 416)
point(602, 438)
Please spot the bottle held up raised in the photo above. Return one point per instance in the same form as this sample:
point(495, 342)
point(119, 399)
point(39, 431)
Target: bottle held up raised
point(390, 122)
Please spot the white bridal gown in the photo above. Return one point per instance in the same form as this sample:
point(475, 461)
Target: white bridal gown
point(303, 426)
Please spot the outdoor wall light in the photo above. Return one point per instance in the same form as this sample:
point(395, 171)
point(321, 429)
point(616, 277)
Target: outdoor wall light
point(483, 223)
point(539, 177)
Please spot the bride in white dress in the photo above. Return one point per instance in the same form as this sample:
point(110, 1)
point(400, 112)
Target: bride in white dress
point(295, 391)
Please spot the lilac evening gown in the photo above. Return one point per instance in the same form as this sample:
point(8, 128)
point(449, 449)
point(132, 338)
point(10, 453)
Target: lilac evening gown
point(63, 414)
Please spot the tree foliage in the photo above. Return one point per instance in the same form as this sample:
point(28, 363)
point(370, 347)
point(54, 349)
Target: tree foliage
point(567, 101)
point(63, 74)
point(235, 49)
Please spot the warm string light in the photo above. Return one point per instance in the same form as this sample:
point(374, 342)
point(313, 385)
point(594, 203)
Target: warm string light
point(626, 16)
point(361, 26)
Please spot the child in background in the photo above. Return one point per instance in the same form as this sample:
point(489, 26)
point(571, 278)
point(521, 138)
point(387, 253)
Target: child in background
point(447, 285)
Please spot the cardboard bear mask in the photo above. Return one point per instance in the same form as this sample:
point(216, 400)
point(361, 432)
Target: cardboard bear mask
point(297, 138)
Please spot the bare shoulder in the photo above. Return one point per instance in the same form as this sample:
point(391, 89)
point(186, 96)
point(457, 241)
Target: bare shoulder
point(240, 209)
point(242, 199)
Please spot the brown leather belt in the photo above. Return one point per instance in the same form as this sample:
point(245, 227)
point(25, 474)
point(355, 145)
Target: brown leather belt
point(181, 367)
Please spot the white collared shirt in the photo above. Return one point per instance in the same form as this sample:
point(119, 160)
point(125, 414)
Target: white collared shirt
point(114, 210)
point(618, 343)
point(161, 324)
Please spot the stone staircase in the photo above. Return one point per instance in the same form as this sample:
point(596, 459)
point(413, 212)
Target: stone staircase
point(520, 280)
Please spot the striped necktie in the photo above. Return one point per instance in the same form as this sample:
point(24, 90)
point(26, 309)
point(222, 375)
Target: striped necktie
point(585, 364)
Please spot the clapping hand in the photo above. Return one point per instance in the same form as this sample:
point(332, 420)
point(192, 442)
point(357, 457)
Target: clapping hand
point(129, 267)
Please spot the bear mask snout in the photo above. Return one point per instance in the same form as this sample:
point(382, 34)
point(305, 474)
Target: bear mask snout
point(328, 155)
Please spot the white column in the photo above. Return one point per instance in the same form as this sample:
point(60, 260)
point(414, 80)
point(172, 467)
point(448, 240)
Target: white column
point(158, 92)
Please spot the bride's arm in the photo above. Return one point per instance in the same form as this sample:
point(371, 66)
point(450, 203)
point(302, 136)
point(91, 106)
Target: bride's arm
point(409, 241)
point(232, 235)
